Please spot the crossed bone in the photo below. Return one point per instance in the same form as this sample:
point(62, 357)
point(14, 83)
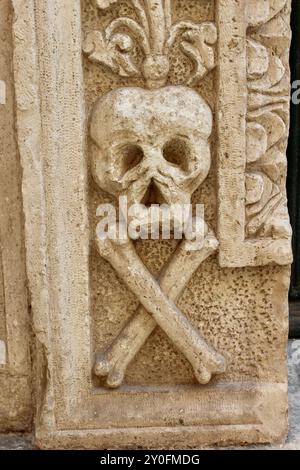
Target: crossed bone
point(157, 299)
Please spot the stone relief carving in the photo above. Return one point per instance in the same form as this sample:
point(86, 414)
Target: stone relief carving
point(253, 223)
point(267, 123)
point(155, 35)
point(153, 141)
point(136, 121)
point(242, 312)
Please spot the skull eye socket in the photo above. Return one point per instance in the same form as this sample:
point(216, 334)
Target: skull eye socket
point(131, 156)
point(177, 152)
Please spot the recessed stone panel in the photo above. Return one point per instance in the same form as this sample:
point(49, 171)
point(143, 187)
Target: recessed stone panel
point(156, 343)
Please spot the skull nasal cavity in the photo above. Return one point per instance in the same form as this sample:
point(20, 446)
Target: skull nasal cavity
point(177, 152)
point(152, 196)
point(132, 155)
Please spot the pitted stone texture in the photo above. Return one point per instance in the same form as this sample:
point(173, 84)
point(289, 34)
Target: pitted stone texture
point(233, 335)
point(153, 295)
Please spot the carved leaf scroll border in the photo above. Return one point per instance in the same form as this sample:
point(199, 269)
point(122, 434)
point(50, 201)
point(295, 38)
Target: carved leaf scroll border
point(264, 233)
point(267, 125)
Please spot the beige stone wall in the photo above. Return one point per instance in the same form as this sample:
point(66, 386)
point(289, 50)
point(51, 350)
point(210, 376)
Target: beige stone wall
point(16, 409)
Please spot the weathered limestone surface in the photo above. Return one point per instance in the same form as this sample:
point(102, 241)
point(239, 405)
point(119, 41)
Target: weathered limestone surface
point(155, 343)
point(21, 441)
point(16, 409)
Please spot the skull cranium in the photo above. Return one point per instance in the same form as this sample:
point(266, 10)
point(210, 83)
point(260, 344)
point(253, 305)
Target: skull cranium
point(151, 145)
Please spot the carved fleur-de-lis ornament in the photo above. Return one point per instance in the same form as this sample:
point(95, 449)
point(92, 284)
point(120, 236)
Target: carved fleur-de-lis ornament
point(155, 34)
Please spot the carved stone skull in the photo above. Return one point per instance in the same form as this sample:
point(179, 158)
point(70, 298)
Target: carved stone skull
point(151, 145)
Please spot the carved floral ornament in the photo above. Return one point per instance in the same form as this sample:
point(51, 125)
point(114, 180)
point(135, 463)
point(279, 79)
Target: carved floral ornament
point(267, 122)
point(155, 34)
